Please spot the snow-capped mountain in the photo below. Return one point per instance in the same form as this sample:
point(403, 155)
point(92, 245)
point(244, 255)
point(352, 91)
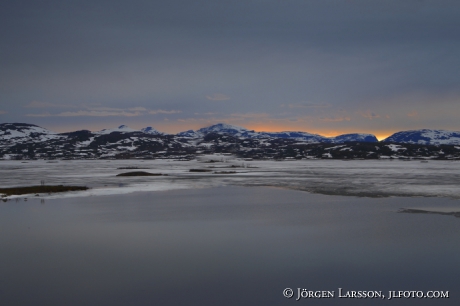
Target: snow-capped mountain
point(11, 133)
point(22, 130)
point(121, 129)
point(425, 136)
point(126, 129)
point(237, 131)
point(354, 137)
point(20, 140)
point(190, 134)
point(299, 136)
point(223, 128)
point(220, 128)
point(151, 130)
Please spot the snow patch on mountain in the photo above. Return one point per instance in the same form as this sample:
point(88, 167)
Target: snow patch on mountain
point(395, 148)
point(84, 143)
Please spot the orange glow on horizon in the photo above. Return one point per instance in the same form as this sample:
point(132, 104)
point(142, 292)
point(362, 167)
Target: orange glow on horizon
point(327, 133)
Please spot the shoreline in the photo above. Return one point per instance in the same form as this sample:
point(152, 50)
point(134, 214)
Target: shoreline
point(450, 208)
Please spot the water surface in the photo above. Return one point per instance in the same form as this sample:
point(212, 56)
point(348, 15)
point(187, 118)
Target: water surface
point(223, 246)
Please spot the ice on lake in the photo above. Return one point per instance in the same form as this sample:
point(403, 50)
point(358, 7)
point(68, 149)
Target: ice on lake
point(355, 177)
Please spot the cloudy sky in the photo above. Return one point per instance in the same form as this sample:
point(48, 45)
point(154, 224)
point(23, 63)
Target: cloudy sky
point(321, 66)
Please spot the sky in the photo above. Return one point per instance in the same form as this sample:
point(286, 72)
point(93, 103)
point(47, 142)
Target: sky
point(321, 66)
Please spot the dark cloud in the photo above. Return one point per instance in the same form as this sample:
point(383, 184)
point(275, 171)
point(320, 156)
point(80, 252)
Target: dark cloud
point(355, 55)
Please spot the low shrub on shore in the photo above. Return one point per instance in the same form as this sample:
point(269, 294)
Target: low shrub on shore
point(40, 189)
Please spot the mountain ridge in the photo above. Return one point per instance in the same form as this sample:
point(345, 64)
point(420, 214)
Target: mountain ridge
point(233, 130)
point(420, 136)
point(22, 140)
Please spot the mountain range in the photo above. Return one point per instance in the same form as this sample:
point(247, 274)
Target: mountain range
point(22, 140)
point(237, 131)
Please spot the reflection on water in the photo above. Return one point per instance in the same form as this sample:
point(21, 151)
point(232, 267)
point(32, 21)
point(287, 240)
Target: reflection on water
point(223, 246)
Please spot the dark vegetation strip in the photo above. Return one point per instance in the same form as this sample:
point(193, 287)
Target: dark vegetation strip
point(139, 173)
point(421, 211)
point(40, 189)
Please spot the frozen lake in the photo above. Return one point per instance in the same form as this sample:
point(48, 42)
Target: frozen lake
point(223, 246)
point(354, 177)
